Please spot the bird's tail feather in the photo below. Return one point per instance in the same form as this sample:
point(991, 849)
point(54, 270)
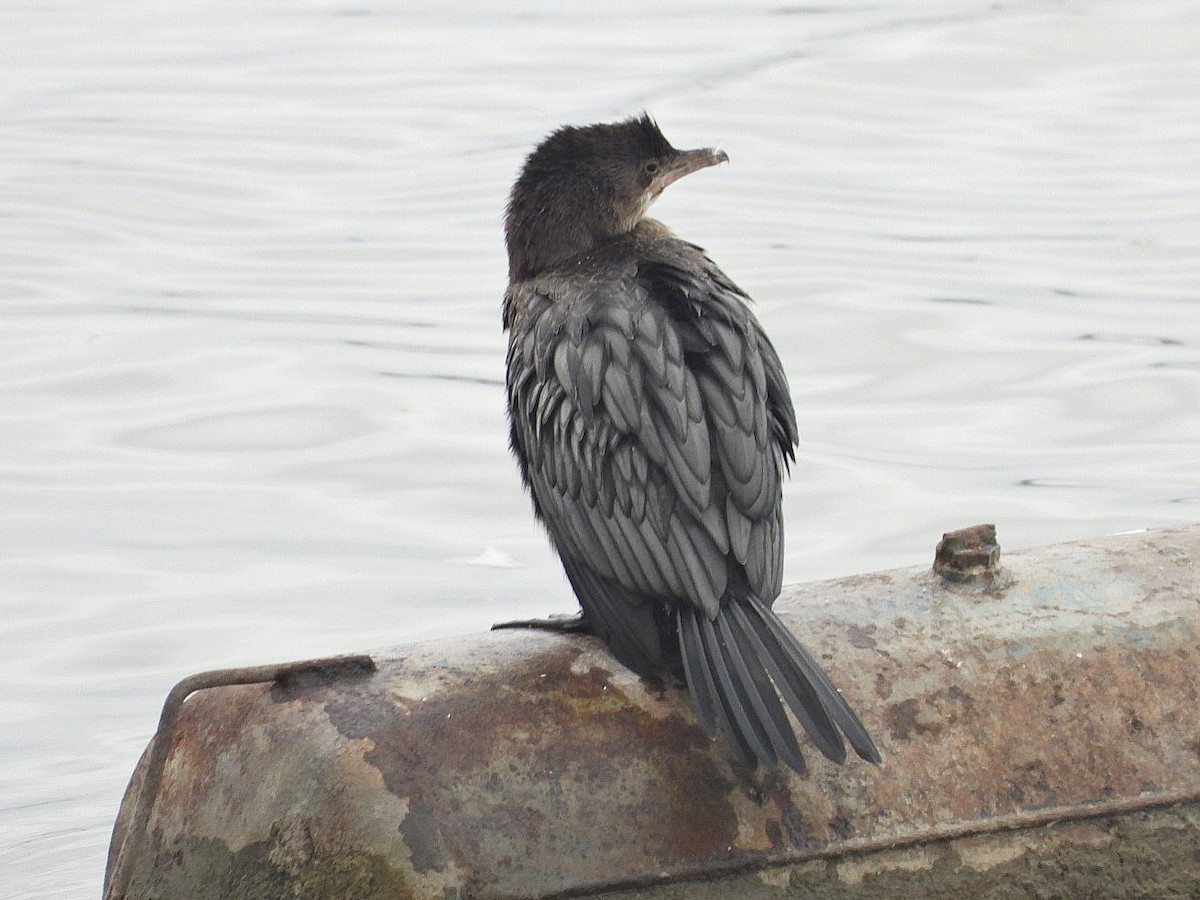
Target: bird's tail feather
point(737, 666)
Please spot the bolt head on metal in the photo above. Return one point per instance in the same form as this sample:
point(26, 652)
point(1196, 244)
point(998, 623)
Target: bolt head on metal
point(969, 554)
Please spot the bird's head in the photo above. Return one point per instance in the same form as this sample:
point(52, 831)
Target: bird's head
point(584, 185)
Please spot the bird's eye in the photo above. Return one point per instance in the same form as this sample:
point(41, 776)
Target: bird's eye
point(650, 168)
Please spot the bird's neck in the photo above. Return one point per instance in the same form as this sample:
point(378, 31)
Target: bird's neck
point(543, 244)
point(549, 223)
point(540, 240)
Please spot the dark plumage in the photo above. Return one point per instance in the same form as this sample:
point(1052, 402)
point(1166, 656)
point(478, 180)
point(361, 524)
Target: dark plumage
point(652, 423)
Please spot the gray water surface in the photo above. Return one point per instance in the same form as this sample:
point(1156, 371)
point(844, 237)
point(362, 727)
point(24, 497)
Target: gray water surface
point(250, 355)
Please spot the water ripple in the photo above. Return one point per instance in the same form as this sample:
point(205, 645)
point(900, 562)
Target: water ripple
point(250, 272)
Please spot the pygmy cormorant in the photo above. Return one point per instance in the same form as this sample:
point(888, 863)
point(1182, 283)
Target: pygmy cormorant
point(652, 423)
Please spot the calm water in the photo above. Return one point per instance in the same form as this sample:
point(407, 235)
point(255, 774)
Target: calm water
point(250, 357)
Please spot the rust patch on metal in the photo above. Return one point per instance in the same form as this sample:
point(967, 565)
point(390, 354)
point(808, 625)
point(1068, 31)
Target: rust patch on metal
point(928, 715)
point(861, 637)
point(1040, 732)
point(130, 834)
point(522, 780)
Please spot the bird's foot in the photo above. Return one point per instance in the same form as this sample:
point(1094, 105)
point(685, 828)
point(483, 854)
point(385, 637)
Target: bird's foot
point(562, 624)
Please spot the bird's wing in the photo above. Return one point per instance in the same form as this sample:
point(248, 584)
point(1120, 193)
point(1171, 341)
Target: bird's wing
point(745, 397)
point(646, 412)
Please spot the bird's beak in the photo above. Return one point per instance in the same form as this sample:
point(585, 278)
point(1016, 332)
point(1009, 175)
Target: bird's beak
point(685, 162)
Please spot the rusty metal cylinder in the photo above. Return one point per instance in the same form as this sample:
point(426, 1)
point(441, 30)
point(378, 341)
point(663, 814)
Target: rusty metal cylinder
point(1040, 728)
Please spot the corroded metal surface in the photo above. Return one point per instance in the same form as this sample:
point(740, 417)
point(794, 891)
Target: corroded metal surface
point(520, 764)
point(130, 833)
